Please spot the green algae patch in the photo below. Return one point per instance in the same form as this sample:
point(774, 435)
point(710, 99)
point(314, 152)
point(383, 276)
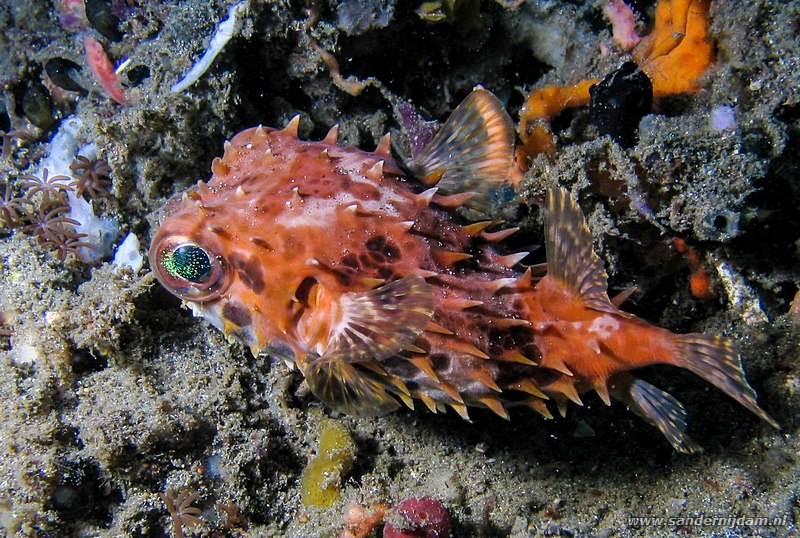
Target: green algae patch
point(321, 481)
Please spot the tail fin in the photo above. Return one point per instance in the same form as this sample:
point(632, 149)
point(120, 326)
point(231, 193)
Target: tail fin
point(715, 359)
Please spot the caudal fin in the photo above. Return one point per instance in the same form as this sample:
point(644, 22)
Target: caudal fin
point(715, 359)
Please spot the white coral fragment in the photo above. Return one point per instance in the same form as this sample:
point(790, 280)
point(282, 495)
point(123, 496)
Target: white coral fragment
point(225, 31)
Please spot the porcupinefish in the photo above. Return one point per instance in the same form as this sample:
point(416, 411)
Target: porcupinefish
point(355, 269)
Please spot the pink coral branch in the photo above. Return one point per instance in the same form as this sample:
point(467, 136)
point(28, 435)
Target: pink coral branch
point(103, 70)
point(623, 23)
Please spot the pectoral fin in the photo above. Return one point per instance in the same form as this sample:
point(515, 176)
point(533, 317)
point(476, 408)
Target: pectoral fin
point(373, 326)
point(377, 324)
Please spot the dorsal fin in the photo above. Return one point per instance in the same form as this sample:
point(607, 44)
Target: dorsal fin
point(570, 257)
point(473, 151)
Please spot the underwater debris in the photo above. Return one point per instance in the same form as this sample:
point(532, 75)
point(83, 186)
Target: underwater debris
point(72, 15)
point(321, 481)
point(233, 515)
point(350, 85)
point(92, 177)
point(722, 118)
point(37, 106)
point(355, 17)
point(464, 15)
point(181, 510)
point(539, 110)
point(679, 49)
point(225, 31)
point(619, 102)
point(128, 254)
point(741, 296)
point(55, 231)
point(422, 517)
point(103, 70)
point(6, 319)
point(623, 23)
point(699, 281)
point(359, 521)
point(102, 18)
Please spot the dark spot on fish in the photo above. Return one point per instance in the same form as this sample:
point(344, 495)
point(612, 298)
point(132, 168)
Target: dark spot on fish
point(253, 275)
point(377, 257)
point(391, 250)
point(261, 243)
point(386, 272)
point(376, 243)
point(249, 271)
point(365, 261)
point(440, 361)
point(218, 230)
point(423, 343)
point(237, 314)
point(517, 304)
point(350, 261)
point(385, 247)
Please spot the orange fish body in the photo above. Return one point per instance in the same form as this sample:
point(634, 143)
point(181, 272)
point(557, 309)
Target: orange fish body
point(339, 262)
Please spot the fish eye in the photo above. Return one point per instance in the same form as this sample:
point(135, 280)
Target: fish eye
point(188, 262)
point(188, 270)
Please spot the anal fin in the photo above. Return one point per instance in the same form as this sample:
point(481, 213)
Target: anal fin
point(657, 407)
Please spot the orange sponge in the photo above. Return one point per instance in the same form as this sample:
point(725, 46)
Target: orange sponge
point(674, 55)
point(678, 50)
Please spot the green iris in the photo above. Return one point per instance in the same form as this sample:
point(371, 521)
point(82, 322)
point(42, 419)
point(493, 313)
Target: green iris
point(188, 262)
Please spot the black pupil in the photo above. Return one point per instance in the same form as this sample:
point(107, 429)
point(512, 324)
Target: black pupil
point(189, 262)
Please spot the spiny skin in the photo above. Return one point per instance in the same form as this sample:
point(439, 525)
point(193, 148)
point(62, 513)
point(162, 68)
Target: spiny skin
point(336, 261)
point(308, 216)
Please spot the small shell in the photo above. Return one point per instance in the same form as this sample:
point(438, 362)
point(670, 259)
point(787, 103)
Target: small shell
point(102, 19)
point(37, 106)
point(60, 71)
